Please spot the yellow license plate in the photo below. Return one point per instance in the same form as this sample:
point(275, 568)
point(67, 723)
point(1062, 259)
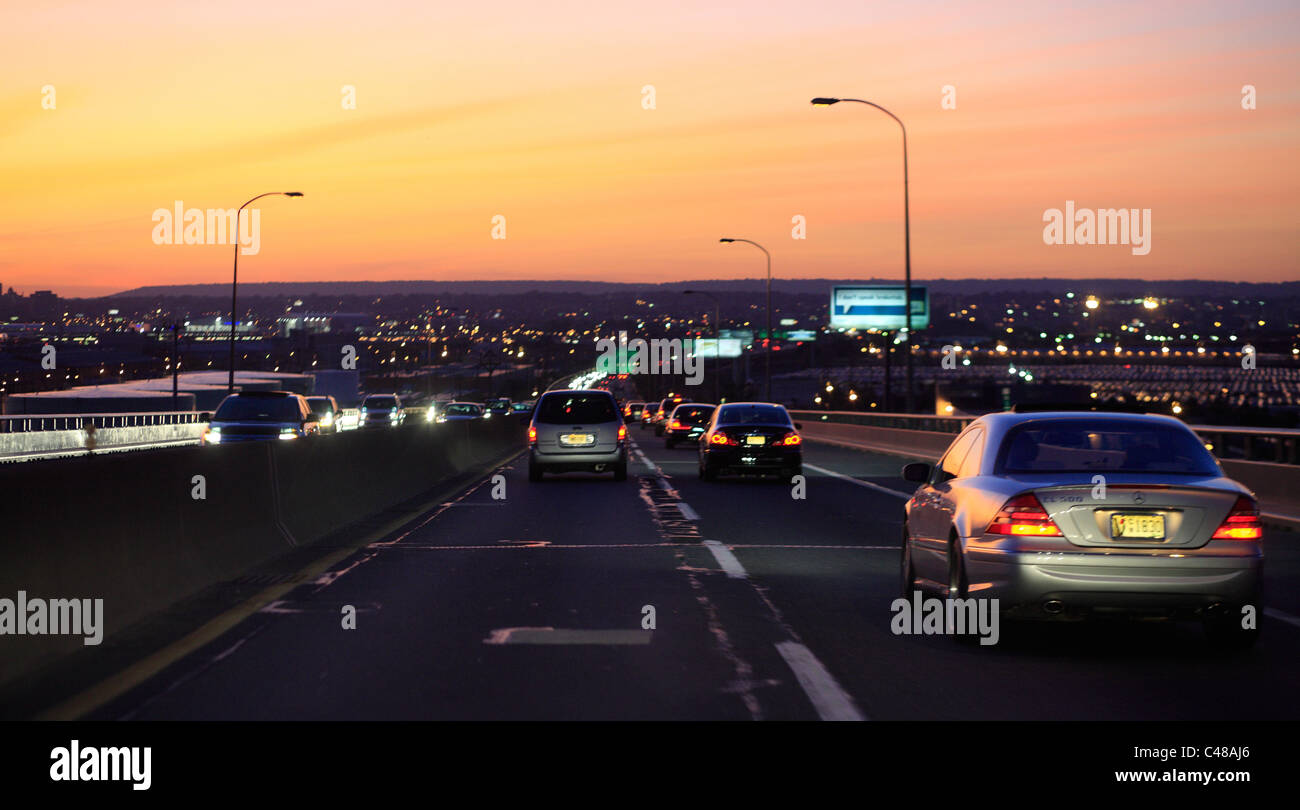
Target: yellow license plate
point(577, 439)
point(1137, 527)
point(755, 440)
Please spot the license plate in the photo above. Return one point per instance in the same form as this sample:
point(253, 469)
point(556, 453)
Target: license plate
point(755, 440)
point(577, 439)
point(1137, 527)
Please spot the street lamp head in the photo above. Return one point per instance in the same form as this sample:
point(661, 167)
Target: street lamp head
point(293, 194)
point(726, 240)
point(825, 102)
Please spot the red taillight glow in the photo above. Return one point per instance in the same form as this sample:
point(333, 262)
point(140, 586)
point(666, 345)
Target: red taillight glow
point(677, 423)
point(1242, 523)
point(1024, 516)
point(789, 440)
point(721, 438)
point(532, 435)
point(622, 432)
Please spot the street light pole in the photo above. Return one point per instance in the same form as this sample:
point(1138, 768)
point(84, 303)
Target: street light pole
point(234, 281)
point(907, 234)
point(768, 372)
point(717, 344)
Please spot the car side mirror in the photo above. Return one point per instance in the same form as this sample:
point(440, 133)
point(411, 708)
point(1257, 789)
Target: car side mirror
point(916, 472)
point(798, 426)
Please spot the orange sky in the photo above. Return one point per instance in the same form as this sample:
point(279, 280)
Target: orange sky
point(534, 111)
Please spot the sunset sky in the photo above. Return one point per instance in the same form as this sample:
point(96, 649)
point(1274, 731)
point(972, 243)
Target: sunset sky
point(533, 111)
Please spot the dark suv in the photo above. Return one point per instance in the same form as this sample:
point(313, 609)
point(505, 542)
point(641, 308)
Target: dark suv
point(255, 416)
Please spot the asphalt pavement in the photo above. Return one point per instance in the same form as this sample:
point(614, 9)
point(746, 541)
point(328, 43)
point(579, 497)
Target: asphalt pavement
point(665, 597)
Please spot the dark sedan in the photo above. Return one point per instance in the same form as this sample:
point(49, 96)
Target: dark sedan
point(687, 423)
point(750, 438)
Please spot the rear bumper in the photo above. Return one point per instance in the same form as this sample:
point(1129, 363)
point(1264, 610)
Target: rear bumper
point(740, 459)
point(683, 434)
point(583, 460)
point(1091, 583)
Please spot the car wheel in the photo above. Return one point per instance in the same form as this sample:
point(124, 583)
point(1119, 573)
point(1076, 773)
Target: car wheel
point(620, 471)
point(707, 473)
point(1226, 633)
point(907, 569)
point(535, 471)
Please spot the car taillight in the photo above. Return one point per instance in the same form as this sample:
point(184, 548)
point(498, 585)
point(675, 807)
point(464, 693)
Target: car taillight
point(622, 432)
point(721, 438)
point(789, 439)
point(677, 423)
point(1024, 516)
point(1242, 523)
point(532, 435)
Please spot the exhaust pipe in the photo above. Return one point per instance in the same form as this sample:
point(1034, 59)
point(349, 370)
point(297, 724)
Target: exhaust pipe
point(1053, 606)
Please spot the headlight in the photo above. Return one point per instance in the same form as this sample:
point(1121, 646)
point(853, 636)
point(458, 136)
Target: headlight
point(288, 433)
point(327, 419)
point(213, 436)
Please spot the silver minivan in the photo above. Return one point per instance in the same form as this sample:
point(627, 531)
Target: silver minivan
point(577, 430)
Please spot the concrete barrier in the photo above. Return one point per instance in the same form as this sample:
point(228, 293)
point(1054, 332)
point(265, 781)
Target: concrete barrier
point(39, 443)
point(129, 529)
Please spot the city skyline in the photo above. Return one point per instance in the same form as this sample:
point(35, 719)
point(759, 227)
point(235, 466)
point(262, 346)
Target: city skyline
point(467, 115)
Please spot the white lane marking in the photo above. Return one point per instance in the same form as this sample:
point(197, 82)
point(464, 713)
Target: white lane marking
point(1274, 613)
point(550, 635)
point(726, 559)
point(828, 698)
point(687, 511)
point(852, 480)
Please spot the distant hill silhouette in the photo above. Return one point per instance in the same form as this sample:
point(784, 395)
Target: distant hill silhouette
point(1111, 287)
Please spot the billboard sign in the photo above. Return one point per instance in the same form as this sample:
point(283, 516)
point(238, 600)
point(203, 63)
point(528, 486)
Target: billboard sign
point(878, 307)
point(724, 347)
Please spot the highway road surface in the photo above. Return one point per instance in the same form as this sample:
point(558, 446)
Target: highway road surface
point(764, 606)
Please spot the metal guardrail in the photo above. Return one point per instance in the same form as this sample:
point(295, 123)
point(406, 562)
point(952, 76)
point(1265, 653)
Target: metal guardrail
point(28, 423)
point(1274, 445)
point(894, 421)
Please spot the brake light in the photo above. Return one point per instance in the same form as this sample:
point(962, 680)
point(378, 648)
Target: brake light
point(622, 432)
point(532, 435)
point(790, 440)
point(1242, 523)
point(677, 423)
point(1024, 516)
point(722, 438)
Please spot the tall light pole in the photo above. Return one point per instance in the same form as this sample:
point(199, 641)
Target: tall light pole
point(907, 233)
point(717, 346)
point(234, 282)
point(768, 373)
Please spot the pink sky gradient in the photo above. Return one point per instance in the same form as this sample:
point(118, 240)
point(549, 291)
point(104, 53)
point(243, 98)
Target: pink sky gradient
point(533, 111)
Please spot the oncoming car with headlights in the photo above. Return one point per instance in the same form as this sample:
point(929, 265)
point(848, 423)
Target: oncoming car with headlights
point(382, 410)
point(461, 412)
point(255, 416)
point(1071, 515)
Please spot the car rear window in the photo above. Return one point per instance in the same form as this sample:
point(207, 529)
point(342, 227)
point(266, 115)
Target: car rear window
point(753, 415)
point(258, 409)
point(1104, 446)
point(576, 408)
point(694, 414)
